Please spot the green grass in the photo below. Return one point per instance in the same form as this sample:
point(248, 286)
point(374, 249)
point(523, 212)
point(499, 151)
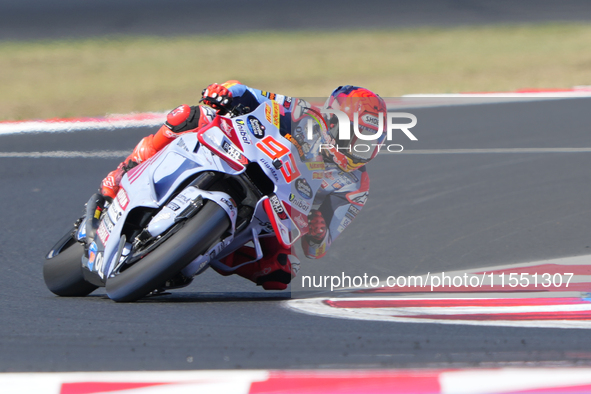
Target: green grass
point(98, 76)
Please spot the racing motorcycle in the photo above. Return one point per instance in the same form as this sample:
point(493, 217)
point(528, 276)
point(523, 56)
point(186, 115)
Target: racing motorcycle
point(199, 199)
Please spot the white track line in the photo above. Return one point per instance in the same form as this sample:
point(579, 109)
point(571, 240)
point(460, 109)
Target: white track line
point(170, 382)
point(61, 154)
point(113, 122)
point(152, 119)
point(512, 380)
point(318, 307)
point(122, 153)
point(412, 101)
point(492, 150)
point(420, 314)
point(509, 96)
point(450, 381)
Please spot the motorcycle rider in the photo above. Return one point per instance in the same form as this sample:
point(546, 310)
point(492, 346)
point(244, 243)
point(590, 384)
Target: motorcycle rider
point(345, 184)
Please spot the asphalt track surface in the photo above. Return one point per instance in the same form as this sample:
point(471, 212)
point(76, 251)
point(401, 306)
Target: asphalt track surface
point(426, 212)
point(42, 19)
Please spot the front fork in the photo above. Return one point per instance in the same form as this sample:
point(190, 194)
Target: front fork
point(91, 220)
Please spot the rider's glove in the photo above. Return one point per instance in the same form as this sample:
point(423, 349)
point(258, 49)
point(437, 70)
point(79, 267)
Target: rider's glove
point(217, 96)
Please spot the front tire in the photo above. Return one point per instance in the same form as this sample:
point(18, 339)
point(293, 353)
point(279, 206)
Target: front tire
point(197, 235)
point(63, 273)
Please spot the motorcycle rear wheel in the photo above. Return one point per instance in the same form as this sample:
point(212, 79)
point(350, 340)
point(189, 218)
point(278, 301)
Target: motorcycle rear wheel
point(196, 236)
point(63, 273)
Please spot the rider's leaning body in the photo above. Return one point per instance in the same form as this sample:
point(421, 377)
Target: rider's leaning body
point(342, 194)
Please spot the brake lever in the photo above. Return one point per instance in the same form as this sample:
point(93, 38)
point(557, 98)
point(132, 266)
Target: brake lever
point(233, 111)
point(240, 110)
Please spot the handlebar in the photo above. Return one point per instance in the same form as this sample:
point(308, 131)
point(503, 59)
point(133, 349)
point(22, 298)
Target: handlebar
point(227, 108)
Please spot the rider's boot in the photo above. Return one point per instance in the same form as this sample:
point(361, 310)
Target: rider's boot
point(110, 185)
point(273, 272)
point(142, 152)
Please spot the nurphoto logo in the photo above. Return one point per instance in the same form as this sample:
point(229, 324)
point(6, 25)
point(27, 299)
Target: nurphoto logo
point(367, 132)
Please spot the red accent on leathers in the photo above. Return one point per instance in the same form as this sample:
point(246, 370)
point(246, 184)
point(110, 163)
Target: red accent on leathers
point(316, 225)
point(272, 272)
point(144, 150)
point(178, 115)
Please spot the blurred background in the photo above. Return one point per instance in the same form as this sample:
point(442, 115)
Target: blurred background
point(91, 58)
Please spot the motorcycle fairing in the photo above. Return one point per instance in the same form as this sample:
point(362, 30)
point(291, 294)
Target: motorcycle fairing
point(286, 230)
point(224, 146)
point(150, 185)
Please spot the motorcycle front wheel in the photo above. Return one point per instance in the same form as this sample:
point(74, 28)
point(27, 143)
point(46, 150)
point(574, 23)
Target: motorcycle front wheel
point(194, 238)
point(63, 272)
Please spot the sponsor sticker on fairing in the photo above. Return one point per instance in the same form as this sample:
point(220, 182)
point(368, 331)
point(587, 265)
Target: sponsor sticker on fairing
point(92, 250)
point(315, 165)
point(299, 203)
point(234, 153)
point(81, 231)
point(108, 223)
point(256, 128)
point(295, 143)
point(278, 207)
point(268, 94)
point(103, 233)
point(276, 113)
point(99, 265)
point(242, 131)
point(115, 212)
point(300, 219)
point(226, 126)
point(270, 168)
point(231, 205)
point(268, 114)
point(303, 188)
point(122, 198)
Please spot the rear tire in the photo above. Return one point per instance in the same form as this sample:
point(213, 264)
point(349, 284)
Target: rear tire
point(63, 273)
point(197, 235)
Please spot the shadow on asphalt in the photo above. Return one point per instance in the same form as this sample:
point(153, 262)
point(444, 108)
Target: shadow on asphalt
point(185, 297)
